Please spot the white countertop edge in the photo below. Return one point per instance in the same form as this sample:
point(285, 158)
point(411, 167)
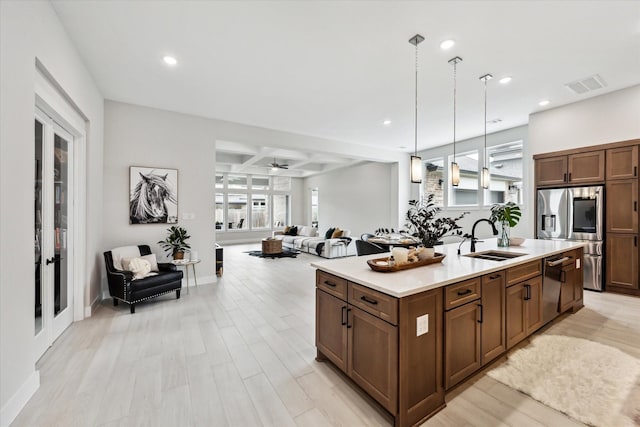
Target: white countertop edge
point(355, 269)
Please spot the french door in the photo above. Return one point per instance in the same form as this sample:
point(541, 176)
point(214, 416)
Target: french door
point(53, 209)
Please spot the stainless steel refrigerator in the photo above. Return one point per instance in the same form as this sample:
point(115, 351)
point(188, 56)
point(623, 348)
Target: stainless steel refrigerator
point(575, 214)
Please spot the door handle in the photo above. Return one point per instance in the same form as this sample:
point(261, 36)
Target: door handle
point(481, 319)
point(51, 260)
point(563, 276)
point(557, 261)
point(635, 206)
point(527, 295)
point(343, 320)
point(465, 292)
point(328, 283)
point(635, 171)
point(348, 325)
point(635, 241)
point(370, 301)
point(564, 177)
point(569, 176)
point(494, 277)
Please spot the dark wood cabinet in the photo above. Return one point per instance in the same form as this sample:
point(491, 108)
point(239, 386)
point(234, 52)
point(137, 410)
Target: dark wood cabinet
point(462, 343)
point(493, 317)
point(579, 168)
point(584, 168)
point(523, 310)
point(622, 261)
point(622, 206)
point(571, 281)
point(331, 331)
point(622, 163)
point(373, 357)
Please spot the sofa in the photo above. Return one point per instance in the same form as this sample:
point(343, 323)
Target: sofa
point(306, 239)
point(124, 285)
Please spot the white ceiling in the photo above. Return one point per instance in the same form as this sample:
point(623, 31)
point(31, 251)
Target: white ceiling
point(337, 69)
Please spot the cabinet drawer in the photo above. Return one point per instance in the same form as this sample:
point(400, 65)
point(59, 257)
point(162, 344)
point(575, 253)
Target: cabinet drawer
point(523, 272)
point(461, 293)
point(334, 285)
point(374, 302)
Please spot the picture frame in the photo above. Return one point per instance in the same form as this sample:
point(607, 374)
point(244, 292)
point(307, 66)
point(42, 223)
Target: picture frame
point(153, 195)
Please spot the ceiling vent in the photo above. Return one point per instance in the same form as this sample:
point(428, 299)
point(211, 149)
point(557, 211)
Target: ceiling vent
point(587, 85)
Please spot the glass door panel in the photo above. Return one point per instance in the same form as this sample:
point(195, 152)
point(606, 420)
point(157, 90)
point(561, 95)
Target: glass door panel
point(38, 224)
point(60, 222)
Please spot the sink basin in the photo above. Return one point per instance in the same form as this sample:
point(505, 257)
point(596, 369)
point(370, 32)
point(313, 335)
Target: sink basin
point(495, 255)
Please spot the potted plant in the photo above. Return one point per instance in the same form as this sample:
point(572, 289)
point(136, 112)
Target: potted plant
point(176, 242)
point(508, 215)
point(426, 226)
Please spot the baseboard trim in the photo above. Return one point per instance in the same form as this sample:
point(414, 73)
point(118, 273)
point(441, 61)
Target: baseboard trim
point(10, 411)
point(92, 307)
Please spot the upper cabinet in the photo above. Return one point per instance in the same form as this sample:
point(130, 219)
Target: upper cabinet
point(622, 163)
point(581, 168)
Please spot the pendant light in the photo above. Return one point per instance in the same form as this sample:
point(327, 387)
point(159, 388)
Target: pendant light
point(416, 162)
point(455, 168)
point(485, 177)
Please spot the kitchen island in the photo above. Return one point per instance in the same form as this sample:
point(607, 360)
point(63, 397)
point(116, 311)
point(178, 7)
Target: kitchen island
point(406, 337)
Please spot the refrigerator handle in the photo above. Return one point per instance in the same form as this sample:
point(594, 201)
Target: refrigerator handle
point(544, 220)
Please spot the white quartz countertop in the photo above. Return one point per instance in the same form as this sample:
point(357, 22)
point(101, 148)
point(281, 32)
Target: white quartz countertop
point(454, 268)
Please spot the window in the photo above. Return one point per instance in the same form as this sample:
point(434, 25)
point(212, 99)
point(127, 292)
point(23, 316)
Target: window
point(434, 179)
point(251, 202)
point(314, 207)
point(281, 210)
point(259, 211)
point(466, 193)
point(505, 167)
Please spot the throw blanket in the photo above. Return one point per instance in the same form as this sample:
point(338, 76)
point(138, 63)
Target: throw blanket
point(140, 268)
point(343, 240)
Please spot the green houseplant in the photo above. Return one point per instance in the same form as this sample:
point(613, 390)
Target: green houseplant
point(176, 242)
point(508, 215)
point(425, 225)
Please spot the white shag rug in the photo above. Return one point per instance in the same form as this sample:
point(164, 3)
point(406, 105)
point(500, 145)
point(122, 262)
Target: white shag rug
point(591, 382)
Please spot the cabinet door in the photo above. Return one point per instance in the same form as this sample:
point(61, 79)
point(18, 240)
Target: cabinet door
point(578, 281)
point(622, 206)
point(622, 260)
point(462, 343)
point(373, 357)
point(533, 306)
point(622, 163)
point(515, 310)
point(331, 330)
point(493, 317)
point(551, 171)
point(586, 167)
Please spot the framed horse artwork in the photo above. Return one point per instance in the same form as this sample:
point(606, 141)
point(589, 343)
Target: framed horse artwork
point(153, 195)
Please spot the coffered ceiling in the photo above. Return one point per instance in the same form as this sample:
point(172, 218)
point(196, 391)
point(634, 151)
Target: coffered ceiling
point(338, 69)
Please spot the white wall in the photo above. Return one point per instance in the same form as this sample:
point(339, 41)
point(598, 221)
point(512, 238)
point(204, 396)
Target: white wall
point(360, 198)
point(600, 120)
point(30, 30)
point(140, 136)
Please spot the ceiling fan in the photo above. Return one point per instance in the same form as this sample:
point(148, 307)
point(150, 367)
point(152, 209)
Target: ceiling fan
point(275, 165)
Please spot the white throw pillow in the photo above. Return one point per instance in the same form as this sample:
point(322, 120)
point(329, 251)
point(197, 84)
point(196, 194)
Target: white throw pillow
point(152, 260)
point(306, 231)
point(118, 254)
point(138, 266)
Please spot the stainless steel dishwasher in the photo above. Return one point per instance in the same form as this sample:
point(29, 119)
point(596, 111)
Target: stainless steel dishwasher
point(556, 269)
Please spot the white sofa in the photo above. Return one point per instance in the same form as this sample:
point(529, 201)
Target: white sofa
point(307, 240)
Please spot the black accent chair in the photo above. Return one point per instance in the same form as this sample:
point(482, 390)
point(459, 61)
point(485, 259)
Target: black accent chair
point(368, 248)
point(366, 236)
point(123, 288)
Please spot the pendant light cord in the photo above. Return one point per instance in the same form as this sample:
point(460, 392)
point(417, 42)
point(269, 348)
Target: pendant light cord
point(485, 122)
point(415, 146)
point(455, 64)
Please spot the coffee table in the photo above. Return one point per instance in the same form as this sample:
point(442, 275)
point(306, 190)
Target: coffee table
point(271, 246)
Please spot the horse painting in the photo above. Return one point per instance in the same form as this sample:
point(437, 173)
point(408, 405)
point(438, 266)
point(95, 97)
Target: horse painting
point(153, 200)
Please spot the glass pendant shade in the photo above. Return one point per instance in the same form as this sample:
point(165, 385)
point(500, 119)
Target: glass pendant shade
point(484, 178)
point(455, 174)
point(416, 169)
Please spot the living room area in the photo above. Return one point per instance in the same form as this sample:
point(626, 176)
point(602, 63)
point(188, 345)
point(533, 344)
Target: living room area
point(278, 115)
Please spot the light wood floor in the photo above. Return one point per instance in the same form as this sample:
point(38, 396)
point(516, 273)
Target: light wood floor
point(241, 353)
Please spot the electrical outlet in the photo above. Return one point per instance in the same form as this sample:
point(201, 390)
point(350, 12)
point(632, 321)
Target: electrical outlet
point(422, 325)
point(577, 263)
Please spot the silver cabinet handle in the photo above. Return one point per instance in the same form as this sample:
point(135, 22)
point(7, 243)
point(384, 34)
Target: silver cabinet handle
point(558, 261)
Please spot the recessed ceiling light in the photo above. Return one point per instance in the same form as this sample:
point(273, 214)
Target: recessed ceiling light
point(447, 44)
point(505, 80)
point(402, 147)
point(386, 122)
point(543, 103)
point(170, 60)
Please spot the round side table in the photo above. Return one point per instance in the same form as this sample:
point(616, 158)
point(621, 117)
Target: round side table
point(186, 264)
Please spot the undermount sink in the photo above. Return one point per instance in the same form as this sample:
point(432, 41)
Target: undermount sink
point(495, 255)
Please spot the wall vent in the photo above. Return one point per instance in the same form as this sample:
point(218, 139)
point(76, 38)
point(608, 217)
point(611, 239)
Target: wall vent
point(588, 84)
